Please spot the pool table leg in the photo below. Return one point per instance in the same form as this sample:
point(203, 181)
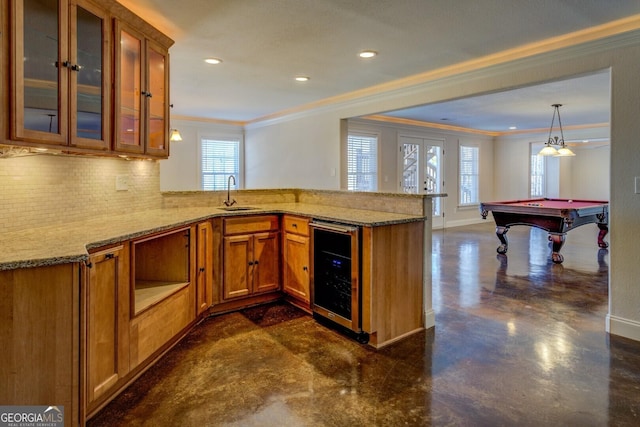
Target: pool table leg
point(557, 240)
point(604, 229)
point(501, 232)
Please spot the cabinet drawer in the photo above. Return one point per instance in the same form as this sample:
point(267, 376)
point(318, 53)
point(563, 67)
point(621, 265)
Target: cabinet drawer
point(296, 224)
point(250, 224)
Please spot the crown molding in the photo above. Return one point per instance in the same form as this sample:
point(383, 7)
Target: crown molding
point(619, 33)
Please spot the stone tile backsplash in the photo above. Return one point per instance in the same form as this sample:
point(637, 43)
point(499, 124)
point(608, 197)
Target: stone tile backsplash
point(40, 190)
point(47, 190)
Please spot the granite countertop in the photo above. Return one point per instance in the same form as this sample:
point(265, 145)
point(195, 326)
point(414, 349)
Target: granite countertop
point(71, 242)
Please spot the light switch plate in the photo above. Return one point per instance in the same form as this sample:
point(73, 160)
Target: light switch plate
point(122, 182)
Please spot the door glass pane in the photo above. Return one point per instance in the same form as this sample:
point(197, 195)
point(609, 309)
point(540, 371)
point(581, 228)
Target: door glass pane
point(89, 75)
point(130, 80)
point(410, 171)
point(432, 175)
point(41, 68)
point(157, 101)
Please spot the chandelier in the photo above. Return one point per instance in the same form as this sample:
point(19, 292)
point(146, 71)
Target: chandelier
point(549, 149)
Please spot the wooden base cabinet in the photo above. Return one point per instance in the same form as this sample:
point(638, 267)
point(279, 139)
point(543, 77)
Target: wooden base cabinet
point(251, 261)
point(163, 291)
point(106, 322)
point(392, 281)
point(204, 267)
point(39, 331)
point(295, 271)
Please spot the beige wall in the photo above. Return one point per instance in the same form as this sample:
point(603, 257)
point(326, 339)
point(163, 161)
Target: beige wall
point(585, 176)
point(180, 171)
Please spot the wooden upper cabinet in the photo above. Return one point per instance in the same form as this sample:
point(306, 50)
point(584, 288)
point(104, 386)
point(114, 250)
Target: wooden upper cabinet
point(68, 62)
point(39, 74)
point(90, 79)
point(141, 95)
point(60, 72)
point(157, 113)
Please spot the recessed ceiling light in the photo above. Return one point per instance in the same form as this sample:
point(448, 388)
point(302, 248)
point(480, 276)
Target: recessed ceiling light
point(513, 127)
point(302, 78)
point(367, 54)
point(213, 61)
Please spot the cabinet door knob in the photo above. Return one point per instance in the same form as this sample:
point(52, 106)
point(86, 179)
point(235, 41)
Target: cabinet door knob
point(250, 262)
point(109, 256)
point(305, 268)
point(202, 269)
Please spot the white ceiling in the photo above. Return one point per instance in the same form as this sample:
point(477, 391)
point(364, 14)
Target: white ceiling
point(265, 43)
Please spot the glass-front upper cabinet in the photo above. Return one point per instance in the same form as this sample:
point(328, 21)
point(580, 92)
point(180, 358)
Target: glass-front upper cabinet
point(141, 94)
point(90, 77)
point(39, 75)
point(60, 73)
point(157, 135)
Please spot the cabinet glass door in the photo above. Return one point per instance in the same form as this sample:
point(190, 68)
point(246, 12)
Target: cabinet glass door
point(88, 73)
point(40, 76)
point(157, 102)
point(130, 93)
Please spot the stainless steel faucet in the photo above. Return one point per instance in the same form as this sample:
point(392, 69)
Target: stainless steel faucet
point(230, 201)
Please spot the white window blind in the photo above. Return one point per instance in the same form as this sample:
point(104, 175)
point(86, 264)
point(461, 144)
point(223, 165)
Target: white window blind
point(537, 176)
point(468, 175)
point(362, 162)
point(220, 158)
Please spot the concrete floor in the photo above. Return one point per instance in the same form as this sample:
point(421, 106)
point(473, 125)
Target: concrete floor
point(518, 341)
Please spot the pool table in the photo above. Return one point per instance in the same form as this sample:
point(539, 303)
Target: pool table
point(556, 216)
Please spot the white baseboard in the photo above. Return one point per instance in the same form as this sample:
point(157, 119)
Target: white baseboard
point(429, 318)
point(463, 222)
point(623, 327)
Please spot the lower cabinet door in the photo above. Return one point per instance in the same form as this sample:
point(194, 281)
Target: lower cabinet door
point(107, 313)
point(296, 266)
point(266, 262)
point(237, 256)
point(204, 267)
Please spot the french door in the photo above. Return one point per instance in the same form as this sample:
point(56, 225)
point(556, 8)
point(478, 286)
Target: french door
point(420, 165)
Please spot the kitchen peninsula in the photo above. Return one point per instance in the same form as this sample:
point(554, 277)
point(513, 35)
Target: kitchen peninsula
point(72, 292)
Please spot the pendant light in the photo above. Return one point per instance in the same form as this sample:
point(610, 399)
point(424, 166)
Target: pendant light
point(549, 149)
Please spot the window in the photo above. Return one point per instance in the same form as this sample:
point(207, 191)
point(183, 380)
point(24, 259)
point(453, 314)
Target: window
point(220, 158)
point(362, 162)
point(468, 175)
point(537, 176)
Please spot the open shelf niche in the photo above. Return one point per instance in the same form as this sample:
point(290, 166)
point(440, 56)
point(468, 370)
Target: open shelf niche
point(160, 267)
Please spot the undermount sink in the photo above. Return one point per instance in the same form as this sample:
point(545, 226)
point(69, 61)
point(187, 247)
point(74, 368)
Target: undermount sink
point(237, 208)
